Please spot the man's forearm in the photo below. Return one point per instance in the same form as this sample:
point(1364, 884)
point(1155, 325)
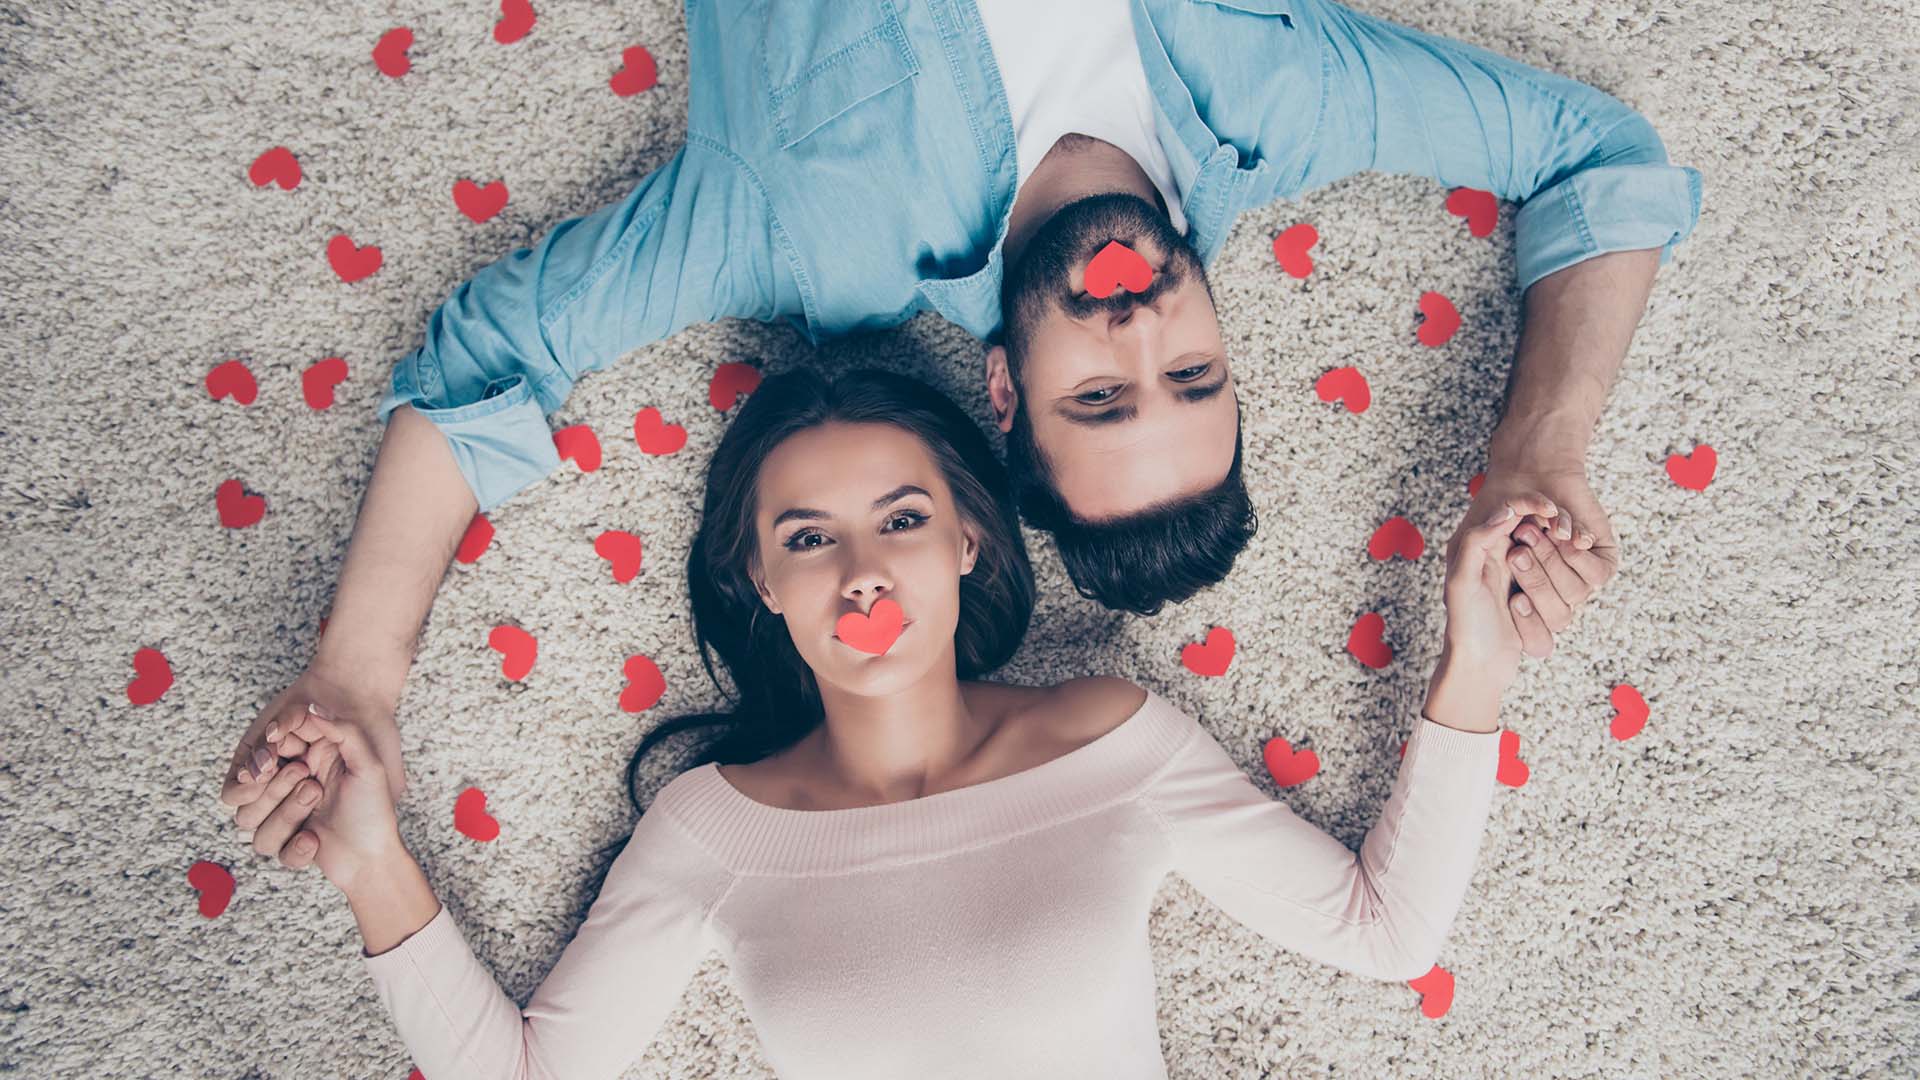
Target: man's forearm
point(416, 508)
point(1576, 325)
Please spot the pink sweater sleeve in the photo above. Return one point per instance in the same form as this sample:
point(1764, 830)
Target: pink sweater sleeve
point(1384, 913)
point(606, 996)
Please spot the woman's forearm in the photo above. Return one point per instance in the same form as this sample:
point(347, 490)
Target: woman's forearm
point(391, 900)
point(1459, 697)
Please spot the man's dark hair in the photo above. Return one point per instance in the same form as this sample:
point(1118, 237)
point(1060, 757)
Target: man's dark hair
point(1137, 563)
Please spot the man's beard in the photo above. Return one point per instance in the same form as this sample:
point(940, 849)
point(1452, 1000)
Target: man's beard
point(1073, 236)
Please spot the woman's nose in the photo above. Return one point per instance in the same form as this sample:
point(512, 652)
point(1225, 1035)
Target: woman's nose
point(867, 586)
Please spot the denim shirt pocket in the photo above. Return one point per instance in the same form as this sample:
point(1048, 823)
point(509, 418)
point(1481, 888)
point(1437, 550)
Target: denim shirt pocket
point(1282, 8)
point(820, 59)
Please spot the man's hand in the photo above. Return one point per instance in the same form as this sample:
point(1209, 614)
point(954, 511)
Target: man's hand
point(1568, 555)
point(342, 798)
point(263, 772)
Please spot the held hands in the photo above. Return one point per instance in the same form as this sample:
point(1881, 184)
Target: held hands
point(339, 787)
point(1569, 547)
point(1481, 635)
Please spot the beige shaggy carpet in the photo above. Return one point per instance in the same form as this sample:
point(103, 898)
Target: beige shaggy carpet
point(1731, 892)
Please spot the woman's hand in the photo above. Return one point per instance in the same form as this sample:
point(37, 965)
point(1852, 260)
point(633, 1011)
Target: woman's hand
point(1481, 635)
point(343, 793)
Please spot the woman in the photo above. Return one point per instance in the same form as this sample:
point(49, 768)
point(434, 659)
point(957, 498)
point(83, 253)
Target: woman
point(906, 871)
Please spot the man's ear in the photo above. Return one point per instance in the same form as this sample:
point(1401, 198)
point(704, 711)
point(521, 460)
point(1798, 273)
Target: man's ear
point(1001, 392)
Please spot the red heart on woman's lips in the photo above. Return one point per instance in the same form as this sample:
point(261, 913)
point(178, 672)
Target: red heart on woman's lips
point(1288, 766)
point(276, 166)
point(1117, 265)
point(318, 381)
point(479, 203)
point(471, 818)
point(232, 379)
point(875, 631)
point(655, 435)
point(1290, 247)
point(1347, 386)
point(214, 883)
point(152, 675)
point(516, 647)
point(390, 53)
point(1442, 319)
point(1480, 209)
point(622, 549)
point(1363, 641)
point(350, 262)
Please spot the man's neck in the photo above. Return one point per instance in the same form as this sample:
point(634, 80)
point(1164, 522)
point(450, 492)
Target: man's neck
point(1075, 167)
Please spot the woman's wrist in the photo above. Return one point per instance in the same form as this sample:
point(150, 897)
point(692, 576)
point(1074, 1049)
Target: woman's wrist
point(390, 898)
point(1459, 696)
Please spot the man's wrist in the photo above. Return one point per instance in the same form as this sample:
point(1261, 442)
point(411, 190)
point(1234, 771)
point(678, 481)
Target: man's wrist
point(1537, 442)
point(371, 674)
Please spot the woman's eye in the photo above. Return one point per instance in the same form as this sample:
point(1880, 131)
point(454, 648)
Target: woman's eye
point(805, 538)
point(905, 520)
point(1189, 374)
point(1097, 397)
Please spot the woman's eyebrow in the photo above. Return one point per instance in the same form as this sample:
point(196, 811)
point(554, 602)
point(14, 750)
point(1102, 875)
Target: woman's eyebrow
point(801, 513)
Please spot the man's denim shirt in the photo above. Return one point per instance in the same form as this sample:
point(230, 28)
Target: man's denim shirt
point(850, 164)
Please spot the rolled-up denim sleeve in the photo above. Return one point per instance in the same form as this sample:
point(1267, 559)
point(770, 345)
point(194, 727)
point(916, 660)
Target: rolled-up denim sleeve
point(690, 243)
point(1590, 173)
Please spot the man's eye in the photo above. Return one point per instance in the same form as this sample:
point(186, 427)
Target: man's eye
point(1189, 374)
point(805, 538)
point(1097, 397)
point(904, 520)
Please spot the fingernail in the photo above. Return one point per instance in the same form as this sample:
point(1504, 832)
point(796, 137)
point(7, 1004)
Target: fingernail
point(262, 760)
point(1505, 513)
point(308, 794)
point(1523, 605)
point(1586, 539)
point(1523, 561)
point(273, 731)
point(1529, 537)
point(315, 710)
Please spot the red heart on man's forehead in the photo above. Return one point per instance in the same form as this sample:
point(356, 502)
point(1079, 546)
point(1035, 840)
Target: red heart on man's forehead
point(1117, 265)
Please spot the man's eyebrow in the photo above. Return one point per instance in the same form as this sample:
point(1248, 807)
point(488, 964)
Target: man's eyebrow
point(801, 513)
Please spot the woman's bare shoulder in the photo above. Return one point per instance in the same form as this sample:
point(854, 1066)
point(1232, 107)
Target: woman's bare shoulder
point(1081, 710)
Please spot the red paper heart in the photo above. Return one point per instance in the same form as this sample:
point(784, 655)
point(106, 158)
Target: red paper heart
point(390, 55)
point(1291, 249)
point(1364, 641)
point(323, 624)
point(1436, 992)
point(479, 203)
point(475, 540)
point(1117, 265)
point(416, 1074)
point(276, 166)
point(1630, 712)
point(152, 675)
point(1211, 658)
point(1473, 485)
point(579, 443)
point(318, 381)
point(232, 378)
point(645, 684)
point(655, 435)
point(1396, 536)
point(1288, 766)
point(1347, 386)
point(214, 883)
point(637, 72)
point(1512, 771)
point(622, 549)
point(517, 649)
point(238, 509)
point(873, 631)
point(1693, 471)
point(729, 382)
point(471, 818)
point(1442, 319)
point(350, 262)
point(516, 18)
point(1480, 208)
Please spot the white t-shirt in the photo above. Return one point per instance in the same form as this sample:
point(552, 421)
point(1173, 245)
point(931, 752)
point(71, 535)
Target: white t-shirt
point(1072, 66)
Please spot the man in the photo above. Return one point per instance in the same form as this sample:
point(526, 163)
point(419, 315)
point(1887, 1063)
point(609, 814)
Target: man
point(849, 165)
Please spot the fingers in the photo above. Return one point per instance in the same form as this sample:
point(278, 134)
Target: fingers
point(301, 850)
point(285, 742)
point(280, 825)
point(1535, 639)
point(250, 815)
point(1550, 587)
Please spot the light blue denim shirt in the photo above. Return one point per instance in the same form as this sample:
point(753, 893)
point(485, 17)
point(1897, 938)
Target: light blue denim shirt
point(850, 164)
